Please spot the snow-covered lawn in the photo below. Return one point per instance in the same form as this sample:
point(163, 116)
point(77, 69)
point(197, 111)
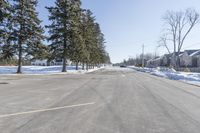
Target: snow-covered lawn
point(42, 69)
point(192, 78)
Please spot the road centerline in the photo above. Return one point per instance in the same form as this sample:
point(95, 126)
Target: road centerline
point(45, 110)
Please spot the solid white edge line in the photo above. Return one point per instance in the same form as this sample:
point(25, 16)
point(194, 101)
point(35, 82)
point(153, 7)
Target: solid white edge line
point(44, 110)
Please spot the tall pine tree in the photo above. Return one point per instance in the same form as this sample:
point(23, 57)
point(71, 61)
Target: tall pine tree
point(77, 47)
point(7, 49)
point(88, 35)
point(5, 12)
point(94, 40)
point(62, 28)
point(27, 31)
point(100, 41)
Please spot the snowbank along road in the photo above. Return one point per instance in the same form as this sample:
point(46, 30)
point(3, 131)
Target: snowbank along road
point(111, 100)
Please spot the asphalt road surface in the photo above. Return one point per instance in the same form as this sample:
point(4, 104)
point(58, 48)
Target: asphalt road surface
point(106, 101)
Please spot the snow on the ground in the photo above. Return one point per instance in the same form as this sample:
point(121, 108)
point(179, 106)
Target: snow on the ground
point(42, 70)
point(189, 77)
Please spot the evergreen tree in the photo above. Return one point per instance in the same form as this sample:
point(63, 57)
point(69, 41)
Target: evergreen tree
point(5, 12)
point(63, 27)
point(93, 41)
point(27, 31)
point(88, 35)
point(7, 49)
point(77, 47)
point(98, 57)
point(38, 51)
point(84, 56)
point(7, 52)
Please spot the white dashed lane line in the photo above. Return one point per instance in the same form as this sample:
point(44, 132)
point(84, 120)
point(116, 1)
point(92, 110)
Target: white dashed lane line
point(45, 110)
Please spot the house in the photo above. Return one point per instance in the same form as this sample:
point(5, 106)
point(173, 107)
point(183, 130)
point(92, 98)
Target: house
point(157, 61)
point(166, 59)
point(196, 59)
point(38, 62)
point(154, 62)
point(187, 58)
point(150, 63)
point(58, 62)
point(45, 62)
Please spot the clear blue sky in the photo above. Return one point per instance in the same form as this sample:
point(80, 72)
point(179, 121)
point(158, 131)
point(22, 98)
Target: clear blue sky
point(127, 24)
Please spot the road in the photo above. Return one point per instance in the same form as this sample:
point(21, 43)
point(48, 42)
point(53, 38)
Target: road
point(106, 101)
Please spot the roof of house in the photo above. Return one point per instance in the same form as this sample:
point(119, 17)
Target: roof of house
point(189, 52)
point(34, 60)
point(150, 60)
point(181, 54)
point(170, 55)
point(159, 58)
point(167, 55)
point(155, 59)
point(195, 53)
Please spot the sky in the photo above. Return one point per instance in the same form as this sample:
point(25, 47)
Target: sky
point(128, 24)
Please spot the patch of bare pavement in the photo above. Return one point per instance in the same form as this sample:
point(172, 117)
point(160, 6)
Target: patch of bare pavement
point(110, 100)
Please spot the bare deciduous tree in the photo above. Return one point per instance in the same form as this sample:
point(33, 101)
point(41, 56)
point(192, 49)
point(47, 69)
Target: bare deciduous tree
point(179, 25)
point(163, 42)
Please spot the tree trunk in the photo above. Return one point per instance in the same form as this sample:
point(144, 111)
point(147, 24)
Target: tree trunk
point(83, 66)
point(64, 56)
point(178, 60)
point(20, 41)
point(174, 60)
point(77, 65)
point(48, 63)
point(20, 57)
point(64, 65)
point(87, 66)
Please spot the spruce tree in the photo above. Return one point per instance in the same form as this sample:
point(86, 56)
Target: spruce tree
point(94, 40)
point(84, 36)
point(27, 31)
point(77, 47)
point(5, 12)
point(7, 52)
point(100, 41)
point(88, 29)
point(7, 49)
point(38, 51)
point(62, 29)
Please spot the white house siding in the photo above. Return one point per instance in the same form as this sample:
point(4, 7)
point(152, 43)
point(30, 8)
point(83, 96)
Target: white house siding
point(185, 60)
point(52, 63)
point(157, 62)
point(195, 57)
point(198, 61)
point(39, 63)
point(150, 63)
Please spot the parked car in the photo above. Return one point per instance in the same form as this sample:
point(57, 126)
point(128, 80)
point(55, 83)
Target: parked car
point(123, 66)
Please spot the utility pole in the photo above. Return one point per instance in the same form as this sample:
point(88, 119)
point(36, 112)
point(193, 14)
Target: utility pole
point(142, 55)
point(156, 52)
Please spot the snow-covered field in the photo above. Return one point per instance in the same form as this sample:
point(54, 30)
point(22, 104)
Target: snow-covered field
point(42, 70)
point(192, 78)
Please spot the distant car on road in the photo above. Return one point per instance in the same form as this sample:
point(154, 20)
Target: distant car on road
point(123, 66)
